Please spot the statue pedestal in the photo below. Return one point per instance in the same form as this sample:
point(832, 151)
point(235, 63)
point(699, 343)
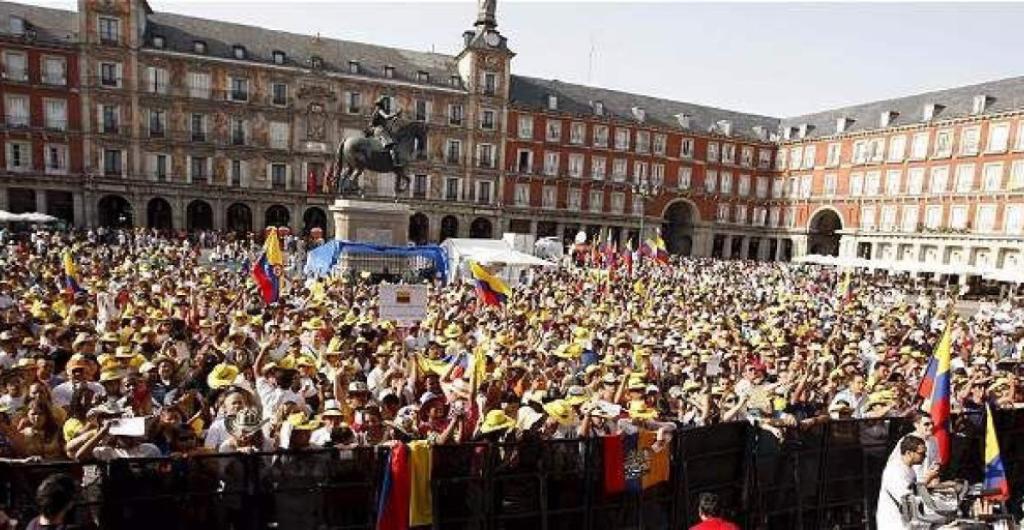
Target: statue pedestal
point(381, 223)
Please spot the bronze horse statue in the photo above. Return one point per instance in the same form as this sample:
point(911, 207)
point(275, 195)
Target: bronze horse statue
point(358, 153)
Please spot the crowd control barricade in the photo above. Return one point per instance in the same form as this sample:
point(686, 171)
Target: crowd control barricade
point(817, 476)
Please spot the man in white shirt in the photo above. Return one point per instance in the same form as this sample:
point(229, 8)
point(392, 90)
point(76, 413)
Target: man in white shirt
point(897, 480)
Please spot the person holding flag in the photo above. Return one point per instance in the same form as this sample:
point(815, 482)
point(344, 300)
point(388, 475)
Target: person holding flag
point(491, 289)
point(935, 389)
point(267, 269)
point(995, 485)
point(71, 285)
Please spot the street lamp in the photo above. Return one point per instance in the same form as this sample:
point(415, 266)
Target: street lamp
point(645, 190)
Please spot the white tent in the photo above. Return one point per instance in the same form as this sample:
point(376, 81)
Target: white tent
point(491, 252)
point(33, 217)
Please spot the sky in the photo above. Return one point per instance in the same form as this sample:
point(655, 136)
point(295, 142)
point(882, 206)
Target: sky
point(776, 59)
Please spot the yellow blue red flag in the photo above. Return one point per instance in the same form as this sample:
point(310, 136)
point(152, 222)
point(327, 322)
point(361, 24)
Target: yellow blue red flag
point(995, 473)
point(490, 288)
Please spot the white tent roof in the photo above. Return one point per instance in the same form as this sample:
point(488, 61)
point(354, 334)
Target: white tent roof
point(491, 251)
point(33, 217)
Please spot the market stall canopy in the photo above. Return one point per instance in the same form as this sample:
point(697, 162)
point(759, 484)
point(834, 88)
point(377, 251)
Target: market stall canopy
point(488, 251)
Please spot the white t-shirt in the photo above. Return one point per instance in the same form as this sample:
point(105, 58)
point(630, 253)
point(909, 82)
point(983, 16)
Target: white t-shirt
point(896, 482)
point(216, 434)
point(62, 392)
point(930, 459)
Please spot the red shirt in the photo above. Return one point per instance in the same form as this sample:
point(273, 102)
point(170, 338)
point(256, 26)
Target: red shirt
point(714, 523)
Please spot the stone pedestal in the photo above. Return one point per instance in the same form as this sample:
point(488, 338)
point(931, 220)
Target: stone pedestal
point(382, 223)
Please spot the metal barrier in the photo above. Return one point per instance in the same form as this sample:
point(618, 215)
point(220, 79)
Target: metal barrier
point(824, 476)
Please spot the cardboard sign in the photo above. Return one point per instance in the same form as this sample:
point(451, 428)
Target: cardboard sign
point(405, 304)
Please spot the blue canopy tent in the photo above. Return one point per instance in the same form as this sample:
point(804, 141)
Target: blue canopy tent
point(348, 257)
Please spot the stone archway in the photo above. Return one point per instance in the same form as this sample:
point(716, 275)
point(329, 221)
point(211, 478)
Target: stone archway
point(677, 227)
point(239, 218)
point(199, 216)
point(277, 216)
point(314, 218)
point(419, 228)
point(114, 212)
point(449, 227)
point(481, 228)
point(823, 232)
point(159, 214)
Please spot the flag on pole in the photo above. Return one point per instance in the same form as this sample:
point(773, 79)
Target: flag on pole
point(657, 249)
point(71, 284)
point(937, 380)
point(627, 257)
point(843, 290)
point(267, 269)
point(995, 473)
point(490, 288)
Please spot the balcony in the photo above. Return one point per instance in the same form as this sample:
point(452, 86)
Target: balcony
point(16, 74)
point(455, 122)
point(55, 125)
point(419, 194)
point(16, 121)
point(279, 101)
point(198, 136)
point(240, 96)
point(238, 138)
point(157, 132)
point(113, 171)
point(54, 79)
point(453, 159)
point(113, 128)
point(109, 39)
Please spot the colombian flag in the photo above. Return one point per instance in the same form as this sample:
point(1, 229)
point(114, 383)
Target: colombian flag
point(843, 290)
point(995, 473)
point(405, 498)
point(490, 288)
point(266, 270)
point(627, 257)
point(70, 274)
point(632, 464)
point(935, 388)
point(657, 248)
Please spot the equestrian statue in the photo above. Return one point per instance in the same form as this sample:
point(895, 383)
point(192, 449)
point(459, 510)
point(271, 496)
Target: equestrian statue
point(379, 149)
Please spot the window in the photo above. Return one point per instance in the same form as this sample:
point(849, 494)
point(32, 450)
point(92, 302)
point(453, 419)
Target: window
point(806, 182)
point(54, 71)
point(856, 184)
point(597, 168)
point(420, 185)
point(453, 152)
point(600, 136)
point(420, 113)
point(549, 197)
point(575, 165)
point(791, 217)
point(643, 141)
point(451, 189)
point(596, 200)
point(554, 131)
point(279, 57)
point(389, 72)
point(1016, 176)
point(933, 217)
point(109, 29)
point(964, 178)
point(17, 110)
point(915, 181)
point(1019, 142)
point(551, 164)
point(199, 85)
point(112, 163)
point(940, 180)
point(992, 175)
point(778, 188)
point(239, 89)
point(618, 202)
point(832, 155)
point(728, 154)
point(15, 66)
point(525, 129)
point(110, 75)
point(986, 221)
point(780, 159)
point(199, 47)
point(978, 104)
point(598, 108)
point(198, 128)
point(774, 218)
point(56, 158)
point(686, 148)
point(659, 144)
point(658, 175)
point(639, 171)
point(238, 131)
point(455, 115)
point(158, 167)
point(764, 158)
point(712, 152)
point(353, 67)
point(621, 139)
point(524, 161)
point(279, 134)
point(638, 205)
point(197, 169)
point(761, 190)
point(919, 149)
point(722, 215)
point(741, 214)
point(110, 117)
point(422, 77)
point(909, 221)
point(19, 156)
point(575, 198)
point(725, 183)
point(353, 102)
point(685, 176)
point(483, 191)
point(810, 153)
point(522, 196)
point(487, 120)
point(156, 80)
point(897, 148)
point(969, 140)
point(958, 217)
point(710, 181)
point(619, 169)
point(485, 155)
point(998, 137)
point(157, 123)
point(888, 222)
point(831, 184)
point(747, 156)
point(893, 179)
point(1013, 219)
point(236, 173)
point(796, 157)
point(577, 132)
point(490, 84)
point(279, 94)
point(278, 176)
point(867, 218)
point(873, 183)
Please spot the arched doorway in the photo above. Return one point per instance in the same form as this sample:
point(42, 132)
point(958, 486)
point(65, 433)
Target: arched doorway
point(199, 216)
point(677, 229)
point(239, 218)
point(419, 228)
point(114, 212)
point(481, 228)
point(449, 227)
point(314, 218)
point(159, 214)
point(823, 233)
point(276, 215)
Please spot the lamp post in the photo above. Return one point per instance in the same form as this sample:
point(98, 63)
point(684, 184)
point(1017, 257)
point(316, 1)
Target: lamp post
point(645, 190)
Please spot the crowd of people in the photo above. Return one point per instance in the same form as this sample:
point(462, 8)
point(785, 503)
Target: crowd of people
point(157, 351)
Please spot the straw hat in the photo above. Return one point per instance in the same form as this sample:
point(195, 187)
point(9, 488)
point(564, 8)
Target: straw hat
point(245, 423)
point(640, 410)
point(561, 411)
point(301, 422)
point(222, 375)
point(78, 361)
point(496, 420)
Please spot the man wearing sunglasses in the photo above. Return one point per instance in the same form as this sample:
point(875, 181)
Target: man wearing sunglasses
point(897, 481)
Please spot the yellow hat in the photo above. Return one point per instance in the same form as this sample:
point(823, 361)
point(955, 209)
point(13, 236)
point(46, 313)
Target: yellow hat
point(222, 375)
point(638, 409)
point(300, 422)
point(561, 411)
point(72, 427)
point(496, 420)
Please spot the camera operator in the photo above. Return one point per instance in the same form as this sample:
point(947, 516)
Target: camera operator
point(897, 480)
